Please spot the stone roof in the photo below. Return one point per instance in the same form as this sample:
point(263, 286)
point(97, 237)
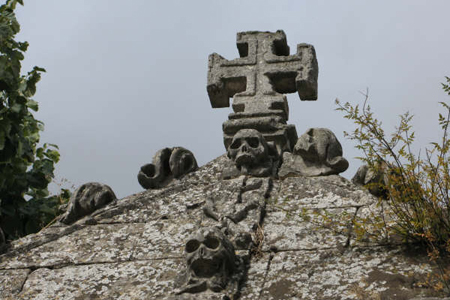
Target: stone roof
point(133, 248)
point(272, 219)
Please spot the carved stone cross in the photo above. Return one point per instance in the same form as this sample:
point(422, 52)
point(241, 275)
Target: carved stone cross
point(257, 81)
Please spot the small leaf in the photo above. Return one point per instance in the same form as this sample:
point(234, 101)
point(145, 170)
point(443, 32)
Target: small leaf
point(16, 108)
point(33, 105)
point(53, 155)
point(39, 69)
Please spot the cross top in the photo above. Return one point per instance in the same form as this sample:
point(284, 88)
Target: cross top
point(265, 70)
point(257, 81)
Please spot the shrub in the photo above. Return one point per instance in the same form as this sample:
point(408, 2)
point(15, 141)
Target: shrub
point(417, 188)
point(25, 168)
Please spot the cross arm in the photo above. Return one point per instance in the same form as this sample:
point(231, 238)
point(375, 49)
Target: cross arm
point(294, 73)
point(225, 79)
point(306, 80)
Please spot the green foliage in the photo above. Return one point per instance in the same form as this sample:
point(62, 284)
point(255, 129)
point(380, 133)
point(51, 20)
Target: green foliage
point(417, 207)
point(25, 168)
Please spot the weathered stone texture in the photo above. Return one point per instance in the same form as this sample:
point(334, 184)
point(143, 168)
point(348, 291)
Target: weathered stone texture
point(134, 247)
point(337, 274)
point(11, 282)
point(127, 280)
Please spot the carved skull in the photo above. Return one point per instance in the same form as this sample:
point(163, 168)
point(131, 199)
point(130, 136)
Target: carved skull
point(248, 149)
point(321, 151)
point(210, 259)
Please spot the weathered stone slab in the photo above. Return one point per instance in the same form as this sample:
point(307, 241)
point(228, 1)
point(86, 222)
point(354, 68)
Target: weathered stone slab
point(322, 192)
point(163, 238)
point(306, 229)
point(33, 240)
point(178, 197)
point(146, 279)
point(127, 280)
point(256, 275)
point(152, 205)
point(92, 244)
point(371, 225)
point(373, 273)
point(207, 174)
point(110, 243)
point(11, 282)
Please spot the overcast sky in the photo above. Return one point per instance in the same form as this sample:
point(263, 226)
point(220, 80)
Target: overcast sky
point(127, 78)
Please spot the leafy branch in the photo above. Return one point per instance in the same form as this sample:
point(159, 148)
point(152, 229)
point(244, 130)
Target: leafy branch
point(26, 169)
point(417, 189)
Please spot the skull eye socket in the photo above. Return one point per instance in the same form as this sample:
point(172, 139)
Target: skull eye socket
point(192, 246)
point(235, 144)
point(253, 142)
point(212, 242)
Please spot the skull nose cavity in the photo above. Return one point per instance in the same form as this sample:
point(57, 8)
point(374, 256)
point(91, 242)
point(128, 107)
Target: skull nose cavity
point(244, 148)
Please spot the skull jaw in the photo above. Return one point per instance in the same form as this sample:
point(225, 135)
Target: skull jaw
point(244, 160)
point(204, 274)
point(248, 160)
point(266, 168)
point(206, 268)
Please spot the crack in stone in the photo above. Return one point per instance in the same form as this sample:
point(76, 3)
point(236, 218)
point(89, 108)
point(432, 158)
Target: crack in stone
point(65, 265)
point(130, 222)
point(24, 281)
point(386, 245)
point(350, 228)
point(42, 241)
point(269, 262)
point(278, 208)
point(266, 196)
point(301, 249)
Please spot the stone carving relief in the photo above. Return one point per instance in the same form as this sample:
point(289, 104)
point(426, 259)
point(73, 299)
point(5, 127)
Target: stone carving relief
point(373, 180)
point(218, 253)
point(86, 199)
point(316, 153)
point(211, 263)
point(257, 82)
point(255, 136)
point(168, 163)
point(251, 155)
point(239, 215)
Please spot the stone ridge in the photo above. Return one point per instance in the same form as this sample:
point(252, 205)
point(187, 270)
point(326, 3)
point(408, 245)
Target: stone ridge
point(134, 247)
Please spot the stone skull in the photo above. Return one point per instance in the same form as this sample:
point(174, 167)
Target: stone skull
point(210, 260)
point(248, 149)
point(321, 152)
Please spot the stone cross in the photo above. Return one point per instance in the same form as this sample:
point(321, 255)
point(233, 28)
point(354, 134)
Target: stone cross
point(257, 81)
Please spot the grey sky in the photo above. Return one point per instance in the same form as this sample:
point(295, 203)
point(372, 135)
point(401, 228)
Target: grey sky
point(126, 78)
